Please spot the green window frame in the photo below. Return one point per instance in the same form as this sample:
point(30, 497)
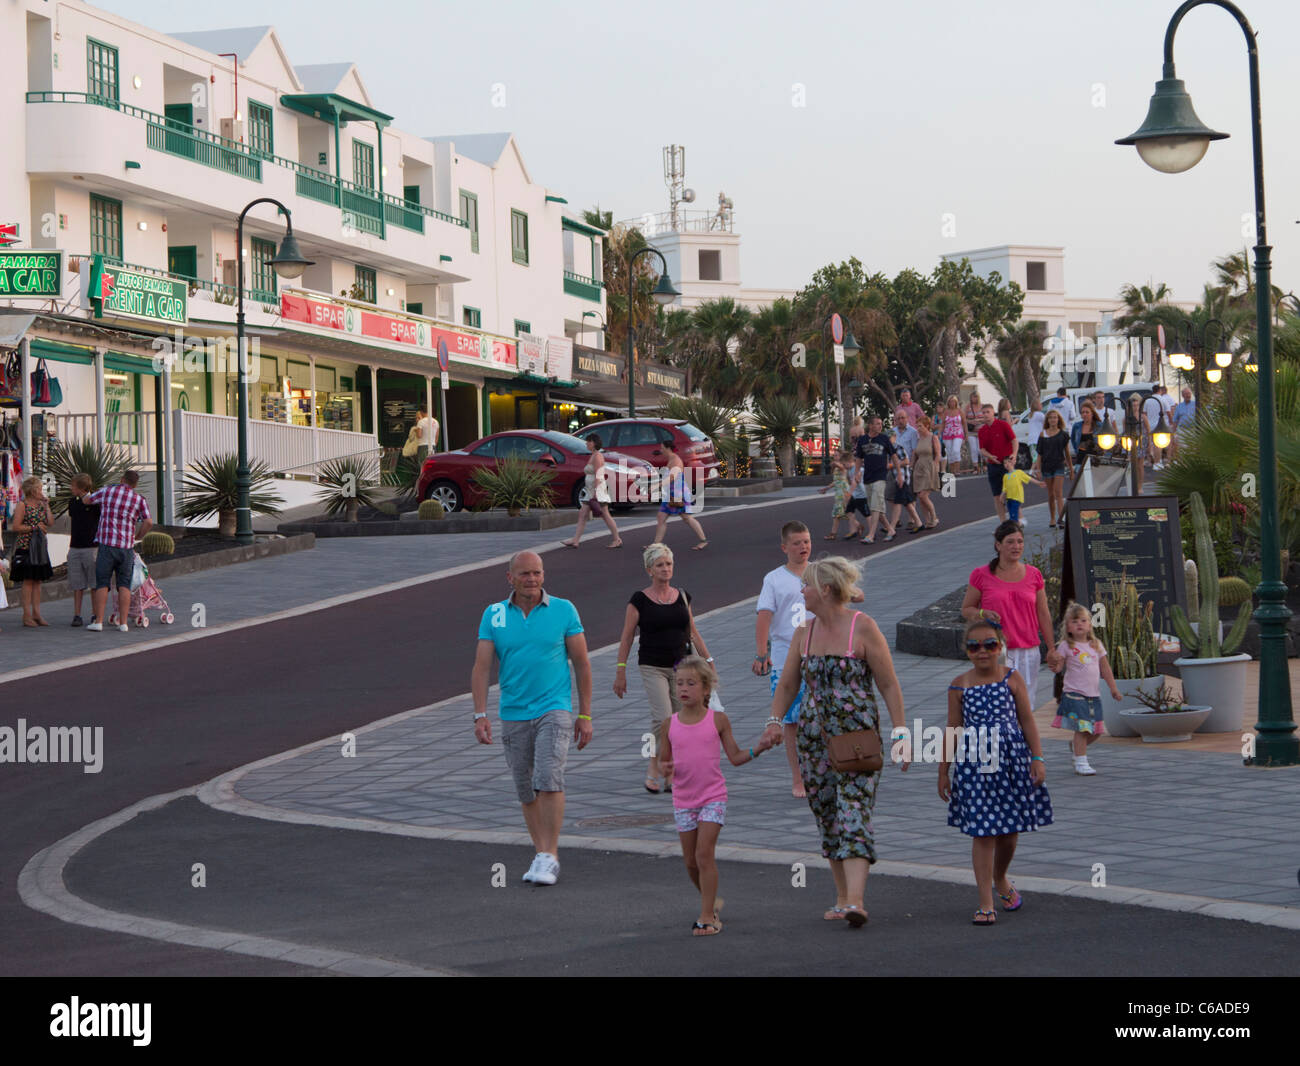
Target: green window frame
point(363, 164)
point(415, 307)
point(519, 237)
point(101, 70)
point(106, 227)
point(261, 273)
point(469, 215)
point(522, 327)
point(471, 316)
point(261, 129)
point(366, 283)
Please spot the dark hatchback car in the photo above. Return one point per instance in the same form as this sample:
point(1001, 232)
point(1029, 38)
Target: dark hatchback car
point(447, 476)
point(644, 438)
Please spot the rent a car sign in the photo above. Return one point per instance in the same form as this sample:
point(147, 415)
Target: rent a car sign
point(25, 273)
point(403, 330)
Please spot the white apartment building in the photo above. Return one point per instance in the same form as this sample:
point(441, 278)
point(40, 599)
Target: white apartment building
point(1075, 324)
point(137, 152)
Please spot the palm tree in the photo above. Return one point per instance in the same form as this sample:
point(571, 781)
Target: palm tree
point(946, 319)
point(780, 421)
point(716, 329)
point(1020, 348)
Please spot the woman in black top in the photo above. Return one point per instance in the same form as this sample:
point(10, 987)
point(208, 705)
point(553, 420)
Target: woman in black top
point(1052, 464)
point(663, 615)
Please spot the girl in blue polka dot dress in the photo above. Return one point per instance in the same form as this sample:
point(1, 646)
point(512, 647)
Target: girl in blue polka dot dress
point(996, 790)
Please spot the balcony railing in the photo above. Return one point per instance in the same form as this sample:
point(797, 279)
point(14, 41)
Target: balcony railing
point(577, 285)
point(368, 211)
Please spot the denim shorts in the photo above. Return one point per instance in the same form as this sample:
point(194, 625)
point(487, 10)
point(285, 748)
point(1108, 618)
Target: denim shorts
point(110, 561)
point(1058, 472)
point(688, 819)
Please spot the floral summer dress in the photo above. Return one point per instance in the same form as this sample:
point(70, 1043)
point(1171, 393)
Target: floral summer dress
point(992, 792)
point(839, 490)
point(23, 570)
point(837, 699)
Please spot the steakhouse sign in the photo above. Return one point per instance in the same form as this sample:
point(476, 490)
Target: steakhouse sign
point(402, 330)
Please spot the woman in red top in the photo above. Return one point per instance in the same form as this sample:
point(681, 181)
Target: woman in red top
point(1011, 595)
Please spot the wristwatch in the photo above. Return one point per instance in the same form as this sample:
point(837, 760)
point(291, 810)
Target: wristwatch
point(480, 714)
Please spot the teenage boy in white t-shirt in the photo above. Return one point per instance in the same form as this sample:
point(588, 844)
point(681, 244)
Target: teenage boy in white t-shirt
point(780, 613)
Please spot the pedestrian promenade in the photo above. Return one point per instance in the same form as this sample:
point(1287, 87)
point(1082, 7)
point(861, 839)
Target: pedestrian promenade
point(335, 567)
point(1195, 823)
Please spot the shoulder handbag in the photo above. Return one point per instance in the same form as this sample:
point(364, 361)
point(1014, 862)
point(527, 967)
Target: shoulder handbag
point(859, 752)
point(38, 551)
point(45, 389)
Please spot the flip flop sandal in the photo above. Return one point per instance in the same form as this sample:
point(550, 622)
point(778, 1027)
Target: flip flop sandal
point(833, 914)
point(830, 536)
point(855, 916)
point(713, 926)
point(984, 918)
point(659, 782)
point(1014, 901)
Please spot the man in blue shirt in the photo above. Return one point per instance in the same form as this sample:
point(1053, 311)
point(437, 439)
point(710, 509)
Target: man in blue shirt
point(535, 636)
point(1184, 414)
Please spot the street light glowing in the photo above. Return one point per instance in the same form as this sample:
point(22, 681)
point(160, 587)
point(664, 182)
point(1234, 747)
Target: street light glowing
point(1224, 359)
point(1160, 436)
point(1106, 438)
point(1213, 375)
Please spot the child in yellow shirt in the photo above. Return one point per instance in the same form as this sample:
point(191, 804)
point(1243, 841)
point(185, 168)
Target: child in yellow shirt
point(1013, 487)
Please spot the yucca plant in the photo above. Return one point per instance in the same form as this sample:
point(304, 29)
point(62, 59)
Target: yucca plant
point(211, 489)
point(347, 483)
point(516, 485)
point(104, 465)
point(404, 476)
point(780, 420)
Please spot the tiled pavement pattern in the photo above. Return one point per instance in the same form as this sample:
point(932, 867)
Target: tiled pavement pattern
point(335, 567)
point(1186, 822)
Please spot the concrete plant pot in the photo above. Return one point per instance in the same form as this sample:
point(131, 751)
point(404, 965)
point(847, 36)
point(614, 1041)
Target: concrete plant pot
point(1116, 724)
point(1166, 727)
point(1219, 684)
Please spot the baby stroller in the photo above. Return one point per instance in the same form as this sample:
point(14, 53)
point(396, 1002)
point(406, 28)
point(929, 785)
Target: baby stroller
point(145, 596)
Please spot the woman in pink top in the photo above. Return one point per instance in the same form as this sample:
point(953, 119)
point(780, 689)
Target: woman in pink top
point(1012, 596)
point(690, 752)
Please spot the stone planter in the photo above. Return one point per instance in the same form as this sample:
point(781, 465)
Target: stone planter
point(1116, 724)
point(1219, 684)
point(1167, 727)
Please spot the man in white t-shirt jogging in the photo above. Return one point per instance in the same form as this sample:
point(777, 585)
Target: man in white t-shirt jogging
point(780, 613)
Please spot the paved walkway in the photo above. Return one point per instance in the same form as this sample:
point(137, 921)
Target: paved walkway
point(335, 567)
point(1194, 823)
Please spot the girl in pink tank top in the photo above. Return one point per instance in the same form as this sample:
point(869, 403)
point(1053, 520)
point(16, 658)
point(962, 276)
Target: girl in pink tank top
point(691, 751)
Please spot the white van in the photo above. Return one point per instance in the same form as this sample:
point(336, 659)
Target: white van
point(1116, 396)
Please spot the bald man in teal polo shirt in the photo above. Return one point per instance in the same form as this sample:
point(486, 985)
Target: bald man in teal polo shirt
point(535, 636)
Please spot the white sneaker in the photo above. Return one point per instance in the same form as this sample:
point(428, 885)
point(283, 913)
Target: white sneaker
point(1083, 767)
point(95, 627)
point(531, 875)
point(548, 869)
point(121, 627)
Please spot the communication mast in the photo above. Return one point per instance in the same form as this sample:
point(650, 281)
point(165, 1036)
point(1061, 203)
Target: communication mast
point(675, 179)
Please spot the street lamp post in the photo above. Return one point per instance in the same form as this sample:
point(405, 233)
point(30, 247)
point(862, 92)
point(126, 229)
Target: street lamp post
point(663, 294)
point(594, 314)
point(289, 264)
point(1195, 361)
point(1173, 139)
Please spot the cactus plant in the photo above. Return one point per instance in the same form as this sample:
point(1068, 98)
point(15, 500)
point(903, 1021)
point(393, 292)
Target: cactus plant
point(1192, 580)
point(431, 510)
point(157, 543)
point(1204, 642)
point(1129, 634)
point(1233, 591)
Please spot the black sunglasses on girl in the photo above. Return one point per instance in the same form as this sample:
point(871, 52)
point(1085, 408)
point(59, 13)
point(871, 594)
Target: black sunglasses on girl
point(990, 644)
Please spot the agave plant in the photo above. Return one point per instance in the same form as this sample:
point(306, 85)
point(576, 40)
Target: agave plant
point(516, 485)
point(211, 489)
point(104, 466)
point(347, 483)
point(404, 477)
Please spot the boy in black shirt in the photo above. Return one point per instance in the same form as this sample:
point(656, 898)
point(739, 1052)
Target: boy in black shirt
point(84, 549)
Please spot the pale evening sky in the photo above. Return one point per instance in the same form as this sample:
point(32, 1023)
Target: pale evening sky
point(999, 114)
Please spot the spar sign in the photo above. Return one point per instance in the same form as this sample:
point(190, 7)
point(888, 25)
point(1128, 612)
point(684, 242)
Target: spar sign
point(403, 330)
point(30, 273)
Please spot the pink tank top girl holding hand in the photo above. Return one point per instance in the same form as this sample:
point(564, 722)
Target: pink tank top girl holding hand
point(691, 752)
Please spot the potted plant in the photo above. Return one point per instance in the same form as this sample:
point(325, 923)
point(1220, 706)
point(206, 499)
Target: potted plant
point(516, 485)
point(1130, 641)
point(1165, 718)
point(211, 489)
point(347, 483)
point(1212, 675)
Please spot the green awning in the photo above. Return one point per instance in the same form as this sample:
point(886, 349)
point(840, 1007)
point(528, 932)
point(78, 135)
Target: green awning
point(329, 106)
point(580, 227)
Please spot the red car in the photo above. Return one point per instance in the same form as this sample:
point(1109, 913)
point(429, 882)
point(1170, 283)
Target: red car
point(447, 476)
point(644, 438)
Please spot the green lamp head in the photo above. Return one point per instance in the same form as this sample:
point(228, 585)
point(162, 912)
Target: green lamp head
point(1172, 139)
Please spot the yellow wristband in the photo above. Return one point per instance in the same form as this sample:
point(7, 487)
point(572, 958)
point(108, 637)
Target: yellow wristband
point(586, 716)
